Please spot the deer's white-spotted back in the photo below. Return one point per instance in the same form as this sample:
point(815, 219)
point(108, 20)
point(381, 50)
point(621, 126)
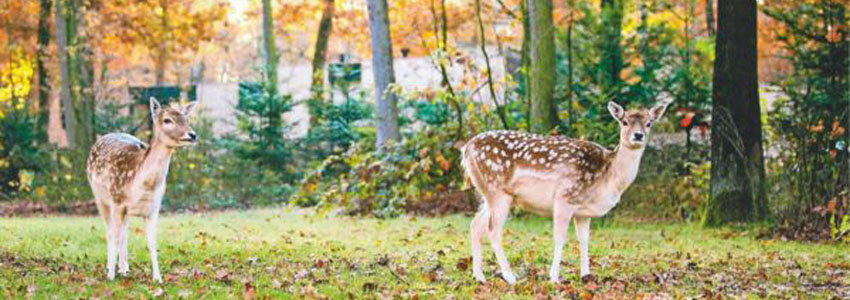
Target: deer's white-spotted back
point(498, 158)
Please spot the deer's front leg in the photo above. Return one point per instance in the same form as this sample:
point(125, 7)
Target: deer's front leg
point(150, 231)
point(583, 236)
point(561, 215)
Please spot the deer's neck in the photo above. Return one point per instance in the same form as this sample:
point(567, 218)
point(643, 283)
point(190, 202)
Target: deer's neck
point(624, 167)
point(155, 163)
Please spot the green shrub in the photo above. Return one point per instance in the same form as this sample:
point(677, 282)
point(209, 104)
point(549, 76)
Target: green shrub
point(335, 126)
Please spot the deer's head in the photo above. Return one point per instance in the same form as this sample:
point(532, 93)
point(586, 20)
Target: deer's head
point(171, 124)
point(635, 124)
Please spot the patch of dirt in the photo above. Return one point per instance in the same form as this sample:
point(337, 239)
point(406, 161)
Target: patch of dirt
point(33, 208)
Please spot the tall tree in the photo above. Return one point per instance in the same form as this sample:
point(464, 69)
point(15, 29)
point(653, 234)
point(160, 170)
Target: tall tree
point(68, 116)
point(319, 54)
point(273, 101)
point(525, 59)
point(737, 166)
point(42, 59)
point(382, 69)
point(544, 112)
point(709, 17)
point(269, 48)
point(76, 72)
point(161, 56)
point(611, 61)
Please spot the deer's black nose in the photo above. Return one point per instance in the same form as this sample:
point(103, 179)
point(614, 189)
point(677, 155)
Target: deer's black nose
point(639, 136)
point(193, 135)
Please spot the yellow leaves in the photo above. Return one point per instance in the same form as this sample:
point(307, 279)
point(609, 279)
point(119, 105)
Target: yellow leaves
point(25, 178)
point(15, 82)
point(40, 191)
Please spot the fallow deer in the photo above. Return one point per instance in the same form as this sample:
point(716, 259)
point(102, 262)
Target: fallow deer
point(127, 177)
point(557, 177)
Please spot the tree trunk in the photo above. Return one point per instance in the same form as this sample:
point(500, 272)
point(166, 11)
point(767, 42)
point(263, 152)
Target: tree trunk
point(325, 29)
point(738, 191)
point(570, 67)
point(612, 56)
point(499, 110)
point(544, 112)
point(525, 60)
point(441, 37)
point(68, 115)
point(81, 72)
point(42, 59)
point(269, 48)
point(161, 60)
point(270, 57)
point(382, 69)
point(709, 17)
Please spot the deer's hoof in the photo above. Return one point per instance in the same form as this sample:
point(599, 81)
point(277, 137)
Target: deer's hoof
point(509, 277)
point(588, 279)
point(479, 276)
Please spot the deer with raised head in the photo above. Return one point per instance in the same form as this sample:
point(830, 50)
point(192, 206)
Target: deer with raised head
point(557, 177)
point(127, 177)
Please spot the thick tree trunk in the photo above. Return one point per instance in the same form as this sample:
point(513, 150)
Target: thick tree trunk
point(68, 115)
point(382, 68)
point(42, 60)
point(612, 57)
point(544, 111)
point(319, 54)
point(737, 174)
point(81, 72)
point(709, 17)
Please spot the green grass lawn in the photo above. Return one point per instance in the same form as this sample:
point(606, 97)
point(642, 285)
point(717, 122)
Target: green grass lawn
point(283, 254)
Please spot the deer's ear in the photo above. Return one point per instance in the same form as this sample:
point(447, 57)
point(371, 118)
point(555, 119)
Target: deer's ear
point(189, 108)
point(658, 110)
point(155, 107)
point(616, 110)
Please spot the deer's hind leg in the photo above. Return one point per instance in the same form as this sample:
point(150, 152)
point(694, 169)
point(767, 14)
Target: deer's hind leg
point(104, 203)
point(123, 264)
point(477, 229)
point(116, 223)
point(499, 207)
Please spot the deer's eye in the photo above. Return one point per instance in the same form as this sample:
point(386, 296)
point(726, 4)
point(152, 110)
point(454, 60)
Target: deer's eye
point(167, 121)
point(625, 123)
point(649, 124)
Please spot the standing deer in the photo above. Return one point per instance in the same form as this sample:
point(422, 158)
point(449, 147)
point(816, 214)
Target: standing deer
point(558, 177)
point(127, 178)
